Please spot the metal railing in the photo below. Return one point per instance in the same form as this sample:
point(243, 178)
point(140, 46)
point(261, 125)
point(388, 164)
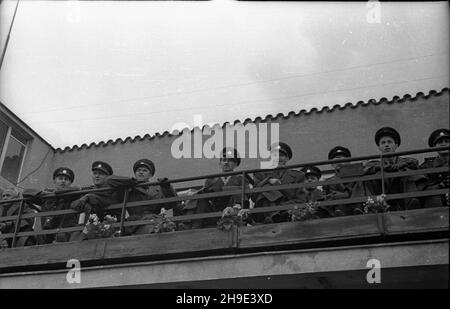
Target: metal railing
point(243, 192)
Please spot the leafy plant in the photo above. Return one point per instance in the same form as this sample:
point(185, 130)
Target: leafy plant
point(95, 228)
point(163, 224)
point(3, 243)
point(376, 205)
point(233, 216)
point(304, 212)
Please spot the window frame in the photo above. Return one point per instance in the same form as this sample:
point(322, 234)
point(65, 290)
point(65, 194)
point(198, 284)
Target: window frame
point(10, 134)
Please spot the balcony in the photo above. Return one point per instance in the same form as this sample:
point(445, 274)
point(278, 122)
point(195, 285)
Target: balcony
point(411, 246)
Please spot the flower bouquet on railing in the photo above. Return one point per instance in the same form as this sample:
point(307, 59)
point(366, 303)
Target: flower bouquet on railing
point(376, 205)
point(154, 224)
point(3, 243)
point(163, 224)
point(304, 212)
point(233, 216)
point(95, 228)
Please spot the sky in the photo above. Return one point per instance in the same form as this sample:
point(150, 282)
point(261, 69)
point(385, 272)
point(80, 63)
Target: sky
point(90, 71)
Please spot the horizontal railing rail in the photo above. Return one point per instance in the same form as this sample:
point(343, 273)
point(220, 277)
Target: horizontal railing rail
point(248, 171)
point(243, 192)
point(253, 210)
point(235, 192)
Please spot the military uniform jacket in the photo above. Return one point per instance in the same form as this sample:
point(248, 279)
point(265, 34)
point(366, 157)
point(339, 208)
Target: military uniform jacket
point(96, 202)
point(305, 196)
point(12, 209)
point(218, 184)
point(395, 164)
point(142, 194)
point(435, 179)
point(54, 204)
point(338, 191)
point(285, 177)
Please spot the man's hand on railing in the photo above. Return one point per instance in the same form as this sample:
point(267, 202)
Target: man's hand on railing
point(372, 167)
point(164, 182)
point(69, 189)
point(336, 195)
point(274, 181)
point(80, 204)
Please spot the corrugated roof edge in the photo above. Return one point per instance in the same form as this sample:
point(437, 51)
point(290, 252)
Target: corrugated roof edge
point(395, 99)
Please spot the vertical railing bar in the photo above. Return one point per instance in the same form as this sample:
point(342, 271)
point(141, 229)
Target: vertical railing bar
point(16, 227)
point(243, 190)
point(382, 173)
point(122, 216)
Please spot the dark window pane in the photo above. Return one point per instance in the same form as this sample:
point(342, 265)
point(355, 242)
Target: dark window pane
point(13, 160)
point(3, 132)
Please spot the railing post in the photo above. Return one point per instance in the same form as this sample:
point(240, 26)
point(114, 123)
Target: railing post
point(243, 190)
point(122, 216)
point(382, 173)
point(16, 227)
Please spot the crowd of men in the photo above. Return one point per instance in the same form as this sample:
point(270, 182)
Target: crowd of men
point(387, 140)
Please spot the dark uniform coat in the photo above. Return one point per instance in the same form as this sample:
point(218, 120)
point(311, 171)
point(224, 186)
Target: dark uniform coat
point(142, 194)
point(285, 177)
point(54, 204)
point(435, 181)
point(26, 225)
point(392, 185)
point(271, 198)
point(218, 184)
point(95, 203)
point(136, 194)
point(338, 192)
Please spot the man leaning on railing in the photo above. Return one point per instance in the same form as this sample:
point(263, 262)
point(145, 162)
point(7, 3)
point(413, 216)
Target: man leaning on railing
point(388, 140)
point(438, 138)
point(144, 170)
point(229, 160)
point(280, 153)
point(342, 190)
point(12, 209)
point(95, 203)
point(63, 178)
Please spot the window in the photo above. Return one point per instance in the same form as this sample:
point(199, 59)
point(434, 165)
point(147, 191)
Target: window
point(12, 151)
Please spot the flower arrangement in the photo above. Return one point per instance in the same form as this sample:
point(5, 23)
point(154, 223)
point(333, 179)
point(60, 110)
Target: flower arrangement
point(233, 216)
point(95, 228)
point(3, 243)
point(376, 205)
point(304, 212)
point(163, 224)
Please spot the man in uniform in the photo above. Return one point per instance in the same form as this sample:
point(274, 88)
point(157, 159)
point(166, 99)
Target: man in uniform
point(95, 203)
point(228, 162)
point(342, 190)
point(439, 138)
point(63, 178)
point(12, 209)
point(388, 140)
point(312, 193)
point(281, 153)
point(144, 170)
